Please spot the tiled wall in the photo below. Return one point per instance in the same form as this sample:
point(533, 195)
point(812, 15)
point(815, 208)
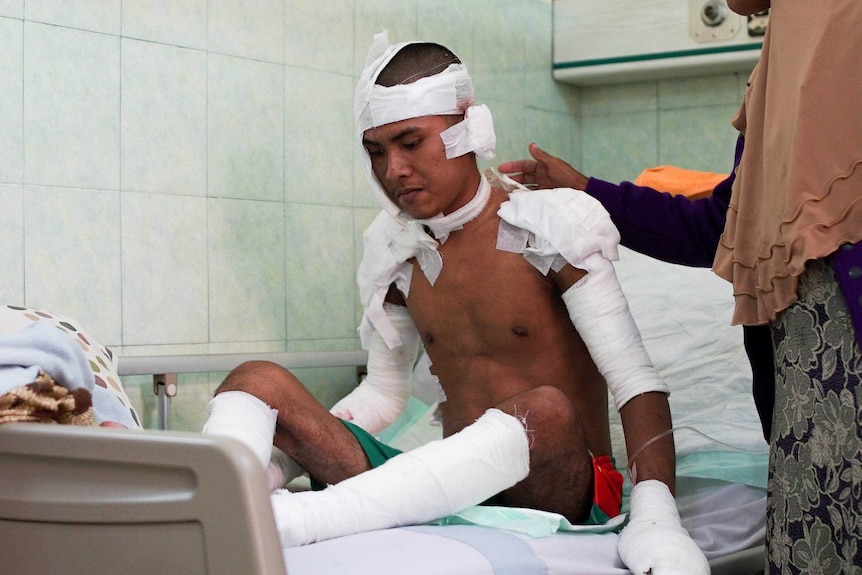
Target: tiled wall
point(181, 175)
point(683, 122)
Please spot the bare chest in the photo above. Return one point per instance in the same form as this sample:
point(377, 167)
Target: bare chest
point(483, 297)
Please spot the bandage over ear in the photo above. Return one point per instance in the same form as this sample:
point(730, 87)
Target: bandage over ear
point(432, 481)
point(600, 312)
point(449, 92)
point(383, 395)
point(654, 540)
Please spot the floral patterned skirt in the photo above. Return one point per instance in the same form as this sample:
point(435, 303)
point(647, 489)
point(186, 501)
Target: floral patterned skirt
point(814, 514)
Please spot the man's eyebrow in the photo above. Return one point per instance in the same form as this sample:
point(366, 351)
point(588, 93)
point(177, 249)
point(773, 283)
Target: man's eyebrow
point(397, 136)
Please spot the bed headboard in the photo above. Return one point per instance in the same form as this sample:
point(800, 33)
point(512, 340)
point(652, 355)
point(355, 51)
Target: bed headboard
point(106, 501)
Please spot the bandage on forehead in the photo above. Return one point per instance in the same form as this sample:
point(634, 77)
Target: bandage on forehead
point(446, 93)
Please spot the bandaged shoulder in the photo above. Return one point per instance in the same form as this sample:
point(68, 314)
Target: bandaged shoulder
point(386, 248)
point(600, 313)
point(546, 225)
point(383, 395)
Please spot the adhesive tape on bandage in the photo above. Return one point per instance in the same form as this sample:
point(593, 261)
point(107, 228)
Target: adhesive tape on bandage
point(244, 417)
point(383, 395)
point(600, 312)
point(475, 133)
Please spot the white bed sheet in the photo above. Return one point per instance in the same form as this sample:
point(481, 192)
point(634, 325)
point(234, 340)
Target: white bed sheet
point(727, 520)
point(684, 315)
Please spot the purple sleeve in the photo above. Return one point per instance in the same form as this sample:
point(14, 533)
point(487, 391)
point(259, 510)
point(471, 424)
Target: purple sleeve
point(666, 227)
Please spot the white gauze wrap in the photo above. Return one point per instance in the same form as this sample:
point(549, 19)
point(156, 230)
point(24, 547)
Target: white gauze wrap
point(654, 540)
point(448, 93)
point(600, 313)
point(432, 481)
point(387, 247)
point(244, 417)
point(383, 395)
point(554, 227)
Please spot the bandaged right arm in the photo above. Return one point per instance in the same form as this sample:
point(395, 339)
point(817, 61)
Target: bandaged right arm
point(383, 395)
point(654, 540)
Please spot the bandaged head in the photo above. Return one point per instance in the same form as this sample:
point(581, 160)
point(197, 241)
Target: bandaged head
point(449, 92)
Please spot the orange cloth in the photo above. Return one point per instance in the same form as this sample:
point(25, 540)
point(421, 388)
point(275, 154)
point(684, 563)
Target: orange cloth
point(692, 184)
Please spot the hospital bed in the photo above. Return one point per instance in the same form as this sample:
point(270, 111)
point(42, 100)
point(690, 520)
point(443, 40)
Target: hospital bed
point(684, 315)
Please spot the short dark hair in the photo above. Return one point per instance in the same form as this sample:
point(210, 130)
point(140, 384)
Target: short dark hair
point(415, 61)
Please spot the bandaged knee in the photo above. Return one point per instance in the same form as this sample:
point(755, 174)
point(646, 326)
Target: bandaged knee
point(383, 395)
point(600, 312)
point(432, 481)
point(654, 540)
point(244, 417)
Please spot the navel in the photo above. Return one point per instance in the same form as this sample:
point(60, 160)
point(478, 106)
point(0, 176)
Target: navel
point(519, 331)
point(428, 338)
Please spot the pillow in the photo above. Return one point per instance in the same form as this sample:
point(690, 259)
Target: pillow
point(102, 360)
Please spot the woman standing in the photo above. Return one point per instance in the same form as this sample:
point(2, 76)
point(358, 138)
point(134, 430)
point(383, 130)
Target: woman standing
point(790, 248)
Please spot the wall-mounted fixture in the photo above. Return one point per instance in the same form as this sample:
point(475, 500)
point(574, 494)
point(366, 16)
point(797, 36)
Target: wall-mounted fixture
point(626, 40)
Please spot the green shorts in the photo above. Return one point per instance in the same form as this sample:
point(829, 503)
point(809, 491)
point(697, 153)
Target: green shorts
point(376, 451)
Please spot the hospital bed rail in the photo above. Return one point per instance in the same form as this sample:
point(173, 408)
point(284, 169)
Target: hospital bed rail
point(165, 368)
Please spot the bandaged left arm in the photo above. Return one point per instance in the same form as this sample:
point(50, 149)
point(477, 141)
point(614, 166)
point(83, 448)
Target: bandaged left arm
point(599, 311)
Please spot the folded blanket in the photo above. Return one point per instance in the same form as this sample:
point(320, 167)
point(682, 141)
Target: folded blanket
point(679, 181)
point(46, 401)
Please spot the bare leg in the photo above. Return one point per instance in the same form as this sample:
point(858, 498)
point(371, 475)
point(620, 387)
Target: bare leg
point(305, 429)
point(561, 472)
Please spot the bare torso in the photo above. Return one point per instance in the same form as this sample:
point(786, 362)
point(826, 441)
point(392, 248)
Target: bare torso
point(494, 326)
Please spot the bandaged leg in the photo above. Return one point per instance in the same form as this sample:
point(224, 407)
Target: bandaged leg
point(242, 416)
point(432, 481)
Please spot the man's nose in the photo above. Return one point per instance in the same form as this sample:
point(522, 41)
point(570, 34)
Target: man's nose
point(396, 165)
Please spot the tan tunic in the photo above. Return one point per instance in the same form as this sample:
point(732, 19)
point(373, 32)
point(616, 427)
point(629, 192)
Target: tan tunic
point(798, 192)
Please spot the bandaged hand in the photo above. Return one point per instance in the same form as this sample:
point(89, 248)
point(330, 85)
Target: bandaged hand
point(654, 542)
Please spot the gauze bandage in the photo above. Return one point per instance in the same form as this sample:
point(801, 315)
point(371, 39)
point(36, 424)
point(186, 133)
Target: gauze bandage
point(562, 225)
point(654, 540)
point(432, 481)
point(449, 92)
point(383, 395)
point(600, 312)
point(387, 247)
point(281, 469)
point(244, 417)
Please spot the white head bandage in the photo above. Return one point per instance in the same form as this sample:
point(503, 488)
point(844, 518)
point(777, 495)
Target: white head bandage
point(448, 93)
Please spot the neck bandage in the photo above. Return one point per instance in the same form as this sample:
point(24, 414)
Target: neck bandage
point(387, 247)
point(448, 93)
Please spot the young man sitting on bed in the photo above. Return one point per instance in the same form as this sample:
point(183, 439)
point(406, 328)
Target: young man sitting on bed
point(515, 299)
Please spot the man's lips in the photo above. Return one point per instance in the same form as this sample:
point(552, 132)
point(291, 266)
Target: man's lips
point(406, 193)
